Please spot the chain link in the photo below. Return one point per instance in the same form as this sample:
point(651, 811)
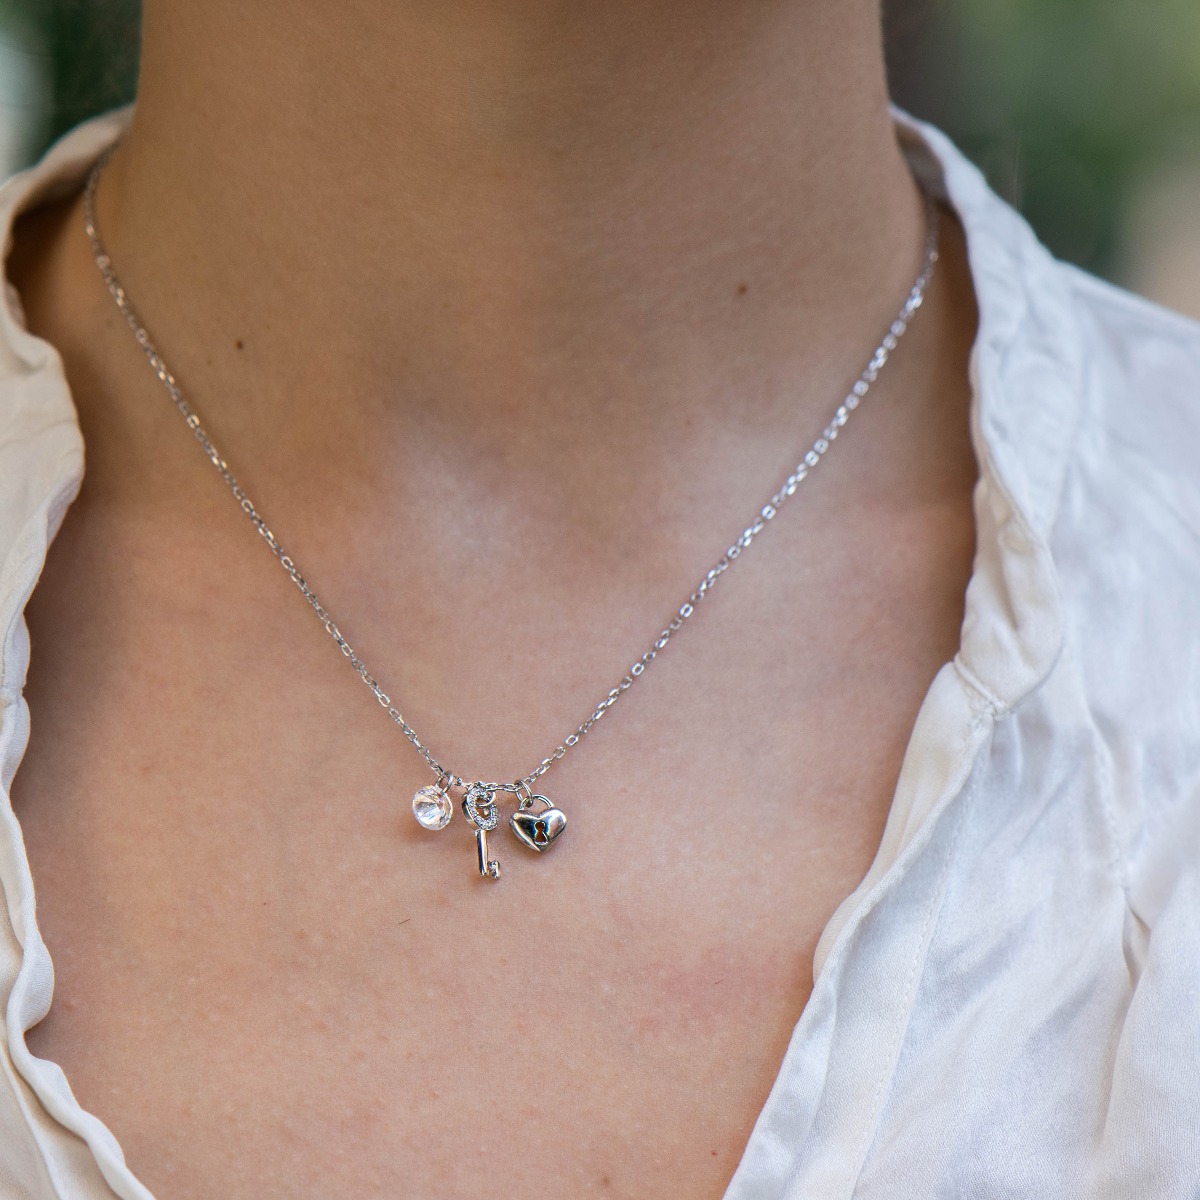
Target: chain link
point(762, 518)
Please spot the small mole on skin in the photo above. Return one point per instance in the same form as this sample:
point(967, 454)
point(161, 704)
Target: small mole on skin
point(742, 288)
point(240, 344)
point(605, 1181)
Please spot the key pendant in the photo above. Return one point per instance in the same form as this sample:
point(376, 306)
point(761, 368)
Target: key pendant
point(489, 868)
point(538, 831)
point(479, 807)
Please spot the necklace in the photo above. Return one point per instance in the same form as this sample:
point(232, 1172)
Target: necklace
point(537, 821)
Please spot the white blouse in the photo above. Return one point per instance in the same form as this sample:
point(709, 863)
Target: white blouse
point(1009, 1003)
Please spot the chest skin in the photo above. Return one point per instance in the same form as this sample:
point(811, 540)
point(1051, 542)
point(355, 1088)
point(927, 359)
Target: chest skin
point(268, 971)
point(272, 982)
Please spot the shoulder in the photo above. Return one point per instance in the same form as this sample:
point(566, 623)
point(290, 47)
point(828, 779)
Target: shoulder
point(1130, 509)
point(1126, 545)
point(1142, 376)
point(1088, 426)
point(41, 447)
point(1127, 526)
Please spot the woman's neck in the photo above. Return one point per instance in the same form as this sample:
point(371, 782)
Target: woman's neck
point(505, 218)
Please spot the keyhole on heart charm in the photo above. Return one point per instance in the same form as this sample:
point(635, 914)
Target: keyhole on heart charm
point(540, 832)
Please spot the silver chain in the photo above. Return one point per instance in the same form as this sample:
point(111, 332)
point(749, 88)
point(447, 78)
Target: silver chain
point(766, 514)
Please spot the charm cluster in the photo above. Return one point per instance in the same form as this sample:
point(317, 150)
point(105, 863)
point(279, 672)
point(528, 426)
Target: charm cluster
point(434, 808)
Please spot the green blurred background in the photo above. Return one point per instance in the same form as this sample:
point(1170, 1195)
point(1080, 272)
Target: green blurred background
point(1084, 113)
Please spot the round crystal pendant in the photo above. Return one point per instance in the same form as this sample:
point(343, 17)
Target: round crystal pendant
point(432, 807)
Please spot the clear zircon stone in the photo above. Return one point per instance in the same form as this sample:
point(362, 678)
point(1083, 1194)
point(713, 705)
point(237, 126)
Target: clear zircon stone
point(432, 807)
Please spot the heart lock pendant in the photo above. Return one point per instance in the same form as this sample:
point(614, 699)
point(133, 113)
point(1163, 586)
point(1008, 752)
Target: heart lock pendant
point(538, 831)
